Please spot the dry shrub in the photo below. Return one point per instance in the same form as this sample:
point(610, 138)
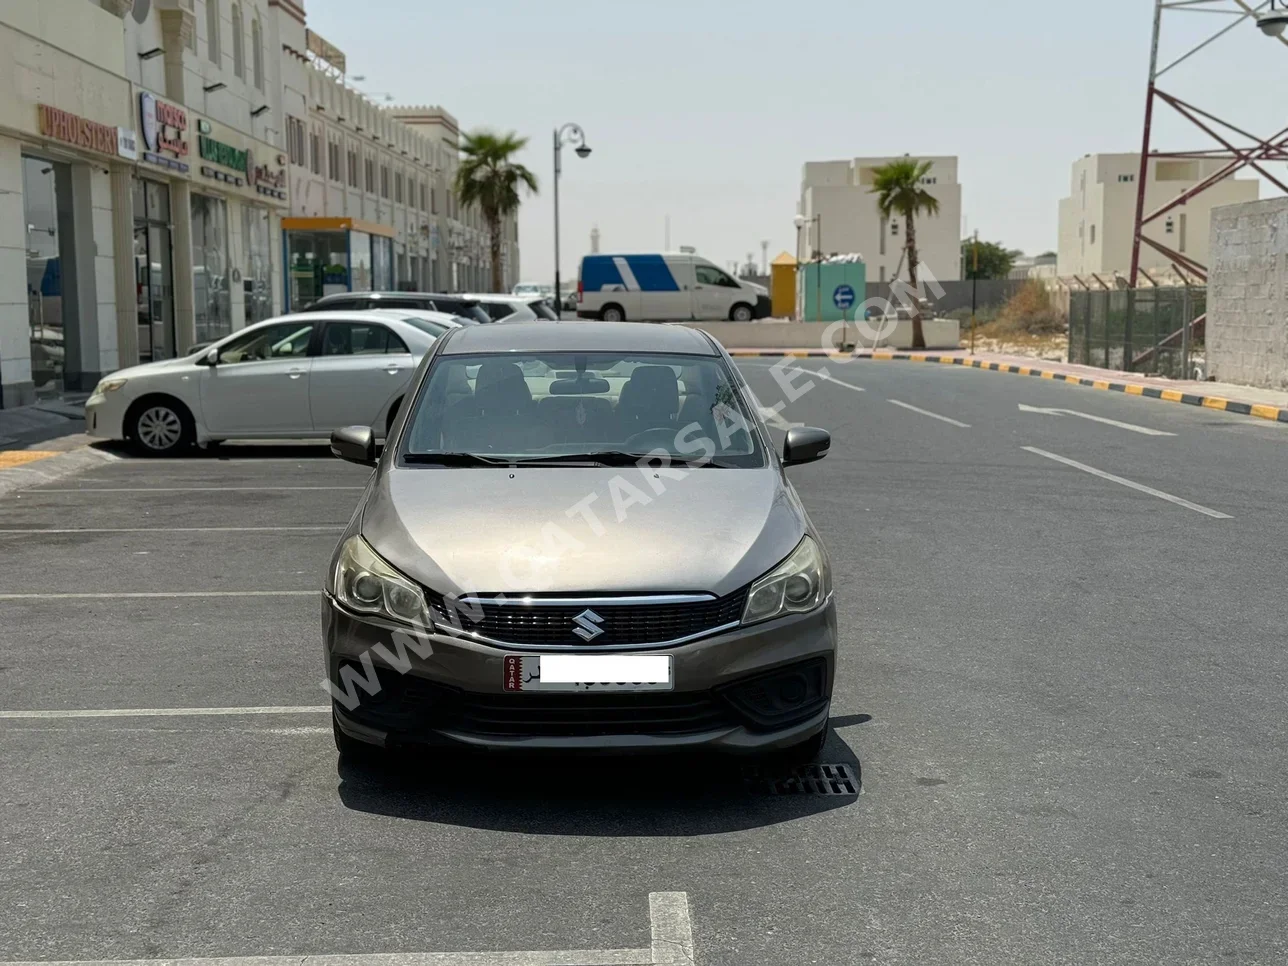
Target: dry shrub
point(1029, 312)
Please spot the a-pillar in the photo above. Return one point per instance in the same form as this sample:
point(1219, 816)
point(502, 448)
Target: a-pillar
point(185, 316)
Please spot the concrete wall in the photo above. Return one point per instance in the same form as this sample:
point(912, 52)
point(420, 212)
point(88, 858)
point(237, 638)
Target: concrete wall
point(940, 334)
point(1247, 326)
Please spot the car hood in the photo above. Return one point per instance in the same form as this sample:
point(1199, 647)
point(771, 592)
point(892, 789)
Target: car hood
point(486, 530)
point(153, 368)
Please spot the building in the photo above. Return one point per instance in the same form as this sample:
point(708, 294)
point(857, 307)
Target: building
point(143, 188)
point(1030, 266)
point(840, 193)
point(372, 205)
point(1098, 219)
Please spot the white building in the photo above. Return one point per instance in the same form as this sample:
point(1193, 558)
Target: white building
point(372, 207)
point(840, 192)
point(1098, 219)
point(142, 189)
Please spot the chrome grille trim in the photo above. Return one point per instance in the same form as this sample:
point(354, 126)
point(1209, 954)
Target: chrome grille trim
point(501, 600)
point(588, 648)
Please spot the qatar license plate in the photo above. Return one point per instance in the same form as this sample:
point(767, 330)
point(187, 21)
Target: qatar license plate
point(588, 672)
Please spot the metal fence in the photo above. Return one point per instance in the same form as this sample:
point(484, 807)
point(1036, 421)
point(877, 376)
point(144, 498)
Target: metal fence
point(1149, 330)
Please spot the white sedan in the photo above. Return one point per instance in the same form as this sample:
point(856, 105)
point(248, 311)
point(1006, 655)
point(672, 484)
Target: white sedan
point(292, 377)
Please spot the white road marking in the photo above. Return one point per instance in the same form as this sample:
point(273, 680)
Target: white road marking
point(1143, 430)
point(164, 712)
point(926, 412)
point(1197, 508)
point(837, 382)
point(190, 489)
point(164, 594)
point(672, 928)
point(825, 376)
point(330, 529)
point(668, 913)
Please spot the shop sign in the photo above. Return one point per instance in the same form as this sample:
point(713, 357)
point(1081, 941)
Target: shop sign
point(78, 131)
point(222, 154)
point(164, 129)
point(127, 143)
point(266, 179)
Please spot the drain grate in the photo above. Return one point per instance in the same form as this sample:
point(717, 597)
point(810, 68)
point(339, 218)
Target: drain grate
point(806, 780)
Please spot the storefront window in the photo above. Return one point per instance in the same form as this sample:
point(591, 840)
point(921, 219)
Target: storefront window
point(382, 264)
point(45, 281)
point(360, 252)
point(210, 281)
point(152, 270)
point(257, 273)
point(319, 265)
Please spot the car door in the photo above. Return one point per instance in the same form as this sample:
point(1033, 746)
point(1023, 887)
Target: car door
point(260, 384)
point(361, 365)
point(714, 292)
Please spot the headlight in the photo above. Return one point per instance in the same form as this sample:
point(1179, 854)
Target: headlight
point(797, 585)
point(109, 385)
point(366, 584)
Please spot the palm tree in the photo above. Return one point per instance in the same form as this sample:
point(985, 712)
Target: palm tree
point(897, 186)
point(489, 177)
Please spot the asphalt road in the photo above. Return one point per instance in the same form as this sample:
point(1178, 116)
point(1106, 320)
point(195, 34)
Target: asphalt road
point(1064, 693)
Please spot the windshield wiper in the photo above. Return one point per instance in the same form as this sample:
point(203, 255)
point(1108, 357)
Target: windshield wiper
point(458, 459)
point(614, 458)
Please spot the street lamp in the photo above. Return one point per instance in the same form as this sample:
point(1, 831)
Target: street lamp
point(1273, 22)
point(568, 134)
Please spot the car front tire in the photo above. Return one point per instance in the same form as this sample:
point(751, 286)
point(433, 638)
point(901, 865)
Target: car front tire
point(159, 426)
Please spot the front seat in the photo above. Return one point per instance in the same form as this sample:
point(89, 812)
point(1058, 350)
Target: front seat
point(650, 398)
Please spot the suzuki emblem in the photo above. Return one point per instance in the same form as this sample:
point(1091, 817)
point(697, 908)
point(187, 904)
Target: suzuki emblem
point(588, 625)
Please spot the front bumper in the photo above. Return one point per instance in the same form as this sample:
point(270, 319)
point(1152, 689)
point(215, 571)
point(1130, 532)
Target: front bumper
point(105, 415)
point(764, 307)
point(452, 693)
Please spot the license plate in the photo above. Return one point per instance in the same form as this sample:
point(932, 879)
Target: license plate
point(588, 672)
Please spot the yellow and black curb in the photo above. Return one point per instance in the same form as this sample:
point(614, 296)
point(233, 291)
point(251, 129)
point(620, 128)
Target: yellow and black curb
point(1273, 413)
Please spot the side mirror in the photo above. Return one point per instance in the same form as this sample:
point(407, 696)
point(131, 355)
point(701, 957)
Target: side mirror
point(806, 445)
point(356, 444)
point(209, 358)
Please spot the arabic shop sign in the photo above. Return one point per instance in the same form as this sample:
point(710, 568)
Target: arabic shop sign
point(164, 127)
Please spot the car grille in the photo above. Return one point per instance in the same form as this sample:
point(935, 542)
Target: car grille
point(623, 625)
point(562, 715)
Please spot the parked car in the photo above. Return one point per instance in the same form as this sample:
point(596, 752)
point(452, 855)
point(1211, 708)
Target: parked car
point(293, 377)
point(515, 308)
point(535, 290)
point(729, 634)
point(664, 288)
point(461, 305)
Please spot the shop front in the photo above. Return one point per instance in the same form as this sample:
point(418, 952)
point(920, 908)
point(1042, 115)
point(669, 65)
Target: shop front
point(329, 255)
point(61, 173)
point(207, 213)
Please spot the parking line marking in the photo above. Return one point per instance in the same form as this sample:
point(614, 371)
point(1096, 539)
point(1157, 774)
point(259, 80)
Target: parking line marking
point(164, 712)
point(330, 529)
point(668, 915)
point(672, 928)
point(1197, 508)
point(164, 594)
point(190, 489)
point(926, 412)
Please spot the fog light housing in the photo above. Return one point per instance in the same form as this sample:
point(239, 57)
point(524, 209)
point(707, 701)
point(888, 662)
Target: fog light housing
point(782, 697)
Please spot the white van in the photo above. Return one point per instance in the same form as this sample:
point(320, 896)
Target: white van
point(664, 288)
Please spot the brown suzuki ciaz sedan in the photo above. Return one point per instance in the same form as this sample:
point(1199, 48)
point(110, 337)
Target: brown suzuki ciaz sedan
point(577, 538)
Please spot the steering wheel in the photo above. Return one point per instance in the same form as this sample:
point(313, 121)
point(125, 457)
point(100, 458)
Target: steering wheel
point(657, 436)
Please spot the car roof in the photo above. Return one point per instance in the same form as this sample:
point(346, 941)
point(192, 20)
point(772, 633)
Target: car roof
point(524, 299)
point(329, 315)
point(336, 296)
point(446, 318)
point(579, 337)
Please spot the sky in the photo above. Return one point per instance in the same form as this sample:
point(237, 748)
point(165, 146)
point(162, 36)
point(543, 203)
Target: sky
point(705, 110)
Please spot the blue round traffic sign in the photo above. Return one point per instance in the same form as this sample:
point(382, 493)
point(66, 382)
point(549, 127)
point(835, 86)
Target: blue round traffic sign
point(843, 297)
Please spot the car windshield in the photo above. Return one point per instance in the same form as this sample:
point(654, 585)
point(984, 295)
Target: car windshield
point(547, 406)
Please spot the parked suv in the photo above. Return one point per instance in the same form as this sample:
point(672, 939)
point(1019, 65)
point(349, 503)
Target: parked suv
point(463, 306)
